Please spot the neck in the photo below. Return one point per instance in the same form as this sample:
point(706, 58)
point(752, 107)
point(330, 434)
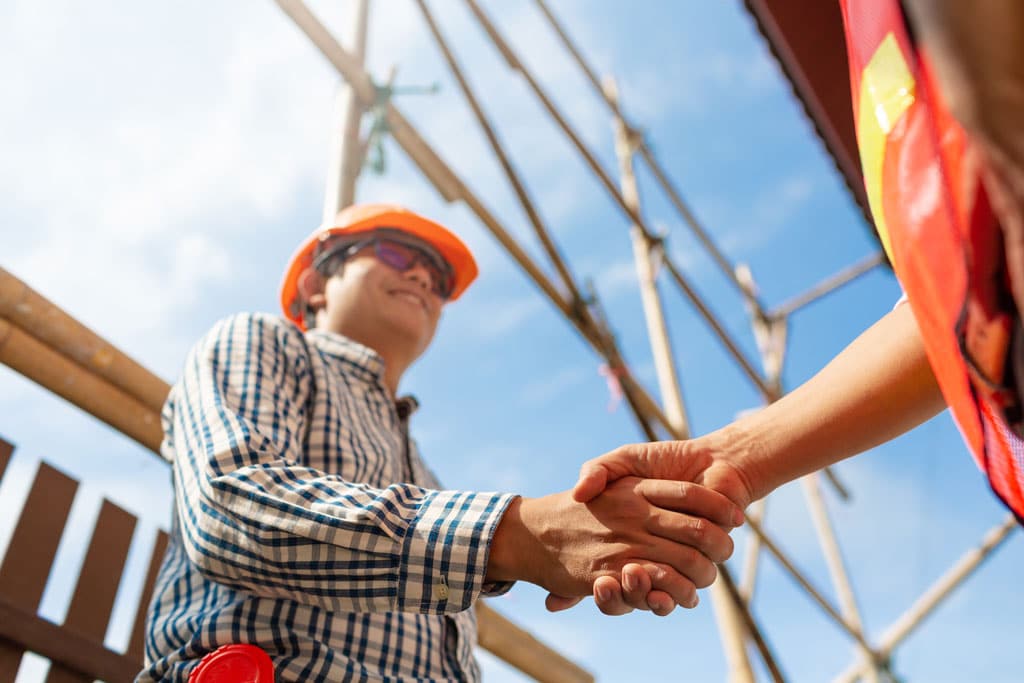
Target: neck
point(392, 377)
point(395, 357)
point(396, 362)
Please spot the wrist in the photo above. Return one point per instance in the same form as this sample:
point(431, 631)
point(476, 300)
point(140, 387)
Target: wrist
point(739, 446)
point(506, 551)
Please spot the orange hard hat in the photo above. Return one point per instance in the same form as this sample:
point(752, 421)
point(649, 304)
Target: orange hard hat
point(362, 218)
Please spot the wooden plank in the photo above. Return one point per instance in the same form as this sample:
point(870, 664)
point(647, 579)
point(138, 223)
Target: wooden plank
point(93, 599)
point(43, 365)
point(6, 448)
point(136, 644)
point(28, 631)
point(30, 554)
point(523, 651)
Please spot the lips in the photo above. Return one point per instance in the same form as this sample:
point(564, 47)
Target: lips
point(410, 296)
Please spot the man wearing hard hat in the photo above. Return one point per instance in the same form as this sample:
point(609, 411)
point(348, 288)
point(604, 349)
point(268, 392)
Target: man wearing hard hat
point(310, 541)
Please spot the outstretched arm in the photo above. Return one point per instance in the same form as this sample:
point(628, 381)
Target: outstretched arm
point(877, 388)
point(880, 386)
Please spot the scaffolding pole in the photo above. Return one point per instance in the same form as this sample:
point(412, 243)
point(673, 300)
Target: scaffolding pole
point(753, 554)
point(659, 173)
point(829, 285)
point(605, 179)
point(853, 631)
point(346, 150)
point(646, 251)
point(731, 625)
point(836, 566)
point(933, 597)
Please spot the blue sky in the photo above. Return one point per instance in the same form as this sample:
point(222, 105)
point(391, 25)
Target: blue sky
point(161, 163)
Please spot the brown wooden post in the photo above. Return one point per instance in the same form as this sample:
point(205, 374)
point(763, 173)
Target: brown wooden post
point(30, 554)
point(136, 645)
point(93, 599)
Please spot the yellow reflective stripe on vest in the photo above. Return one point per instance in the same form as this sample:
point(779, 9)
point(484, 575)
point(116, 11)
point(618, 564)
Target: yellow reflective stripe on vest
point(886, 92)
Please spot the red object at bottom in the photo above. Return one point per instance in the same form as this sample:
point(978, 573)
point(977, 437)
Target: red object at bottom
point(234, 664)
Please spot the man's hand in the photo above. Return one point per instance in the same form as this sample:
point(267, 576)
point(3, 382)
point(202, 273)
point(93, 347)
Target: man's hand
point(672, 530)
point(698, 461)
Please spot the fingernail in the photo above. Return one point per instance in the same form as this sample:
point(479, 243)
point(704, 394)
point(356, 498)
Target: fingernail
point(629, 581)
point(604, 594)
point(737, 517)
point(693, 602)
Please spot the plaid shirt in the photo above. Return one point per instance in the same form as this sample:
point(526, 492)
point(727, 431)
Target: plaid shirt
point(293, 530)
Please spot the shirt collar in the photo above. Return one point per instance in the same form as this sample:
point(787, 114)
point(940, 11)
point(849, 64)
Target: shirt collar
point(364, 359)
point(339, 346)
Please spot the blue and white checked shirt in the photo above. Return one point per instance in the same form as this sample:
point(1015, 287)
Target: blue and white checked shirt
point(293, 527)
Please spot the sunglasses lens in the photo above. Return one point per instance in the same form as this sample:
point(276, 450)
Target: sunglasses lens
point(396, 255)
point(403, 257)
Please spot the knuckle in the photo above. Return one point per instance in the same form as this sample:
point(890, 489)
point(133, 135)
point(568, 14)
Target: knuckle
point(700, 529)
point(683, 491)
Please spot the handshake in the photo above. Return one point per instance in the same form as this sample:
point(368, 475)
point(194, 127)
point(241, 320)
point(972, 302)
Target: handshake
point(643, 528)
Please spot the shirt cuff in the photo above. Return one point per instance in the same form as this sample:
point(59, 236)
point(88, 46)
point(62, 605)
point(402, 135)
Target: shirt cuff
point(445, 552)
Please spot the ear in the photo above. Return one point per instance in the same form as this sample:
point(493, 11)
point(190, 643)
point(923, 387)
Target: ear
point(311, 288)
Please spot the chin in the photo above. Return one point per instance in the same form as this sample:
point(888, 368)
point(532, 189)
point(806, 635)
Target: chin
point(414, 333)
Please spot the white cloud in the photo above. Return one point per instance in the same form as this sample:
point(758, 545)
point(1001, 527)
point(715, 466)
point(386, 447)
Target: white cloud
point(503, 318)
point(773, 208)
point(618, 278)
point(545, 389)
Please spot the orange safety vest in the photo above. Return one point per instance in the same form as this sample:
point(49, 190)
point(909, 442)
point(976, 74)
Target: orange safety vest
point(939, 232)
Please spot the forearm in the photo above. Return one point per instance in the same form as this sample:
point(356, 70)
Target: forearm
point(323, 541)
point(879, 387)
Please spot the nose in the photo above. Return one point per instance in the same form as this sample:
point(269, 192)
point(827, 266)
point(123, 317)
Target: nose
point(419, 274)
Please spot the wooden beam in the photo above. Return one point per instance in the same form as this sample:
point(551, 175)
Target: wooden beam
point(26, 630)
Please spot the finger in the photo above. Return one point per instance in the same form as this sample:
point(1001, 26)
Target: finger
point(660, 603)
point(608, 596)
point(684, 559)
point(695, 532)
point(636, 584)
point(556, 603)
point(694, 499)
point(642, 460)
point(669, 588)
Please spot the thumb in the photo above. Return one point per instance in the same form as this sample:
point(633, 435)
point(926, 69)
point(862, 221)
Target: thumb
point(593, 479)
point(556, 603)
point(658, 460)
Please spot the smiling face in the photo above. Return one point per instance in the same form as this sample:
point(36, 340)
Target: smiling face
point(393, 312)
